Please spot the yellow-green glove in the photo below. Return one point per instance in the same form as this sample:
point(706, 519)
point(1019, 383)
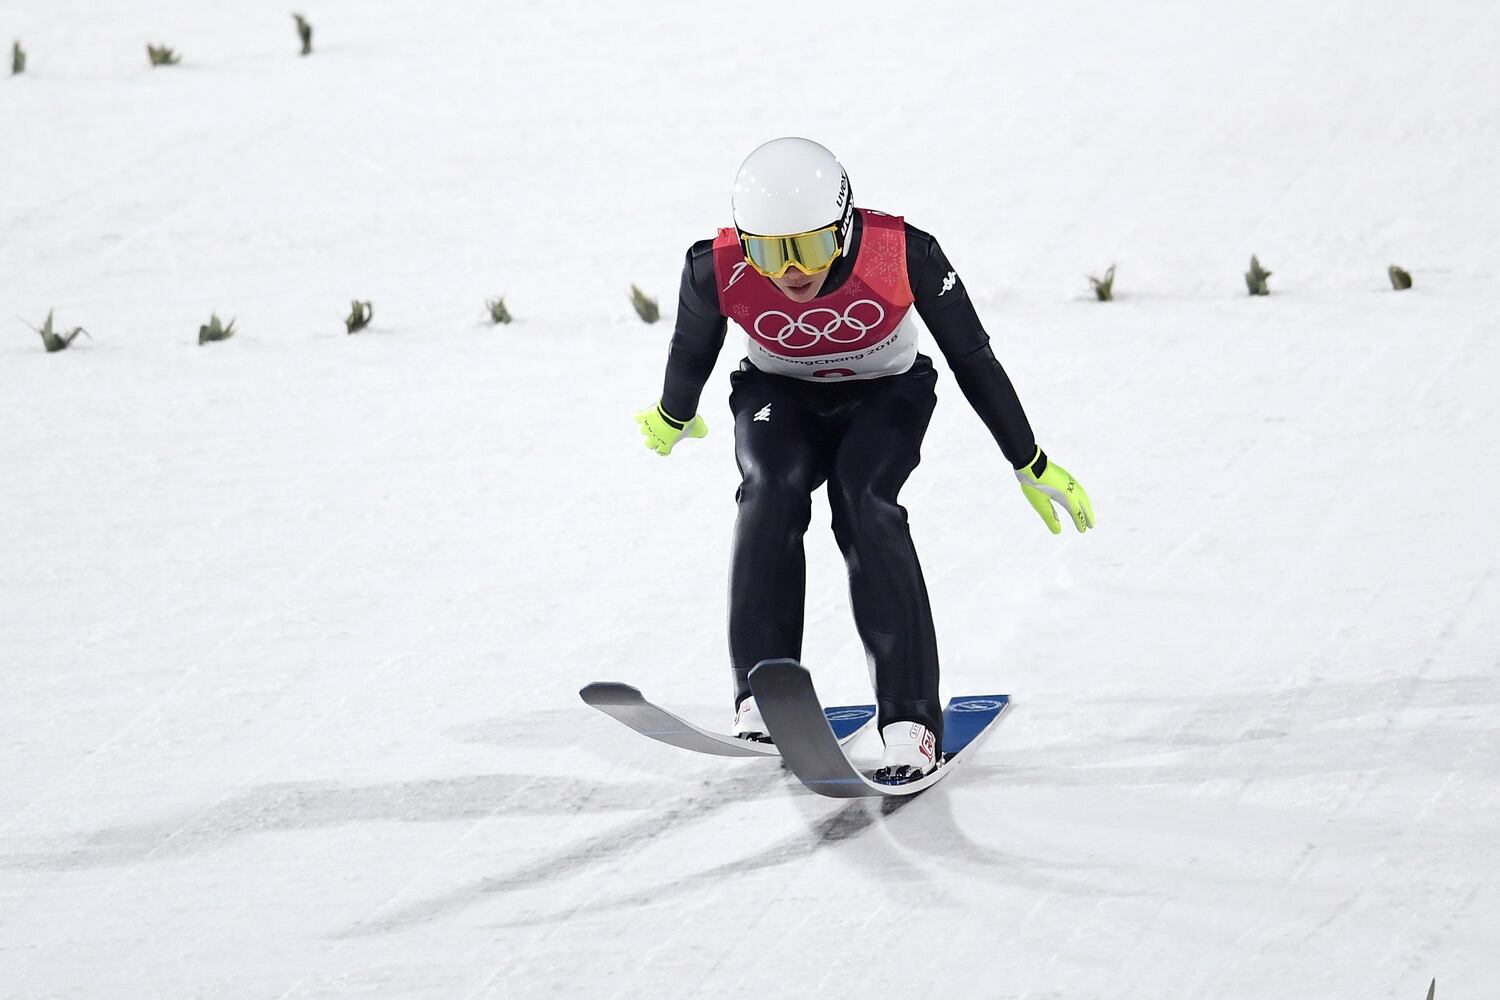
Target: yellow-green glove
point(662, 430)
point(1045, 483)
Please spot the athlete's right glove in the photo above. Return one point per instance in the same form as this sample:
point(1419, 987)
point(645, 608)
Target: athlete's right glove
point(1044, 482)
point(662, 430)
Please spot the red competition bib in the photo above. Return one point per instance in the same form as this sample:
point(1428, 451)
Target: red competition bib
point(862, 330)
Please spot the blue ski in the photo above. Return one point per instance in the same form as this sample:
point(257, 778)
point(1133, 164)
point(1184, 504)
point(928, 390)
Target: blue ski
point(628, 705)
point(784, 691)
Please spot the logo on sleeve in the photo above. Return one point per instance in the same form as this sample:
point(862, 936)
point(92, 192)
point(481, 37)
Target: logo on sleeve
point(948, 283)
point(764, 413)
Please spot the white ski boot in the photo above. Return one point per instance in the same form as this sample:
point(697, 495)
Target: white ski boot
point(749, 724)
point(910, 753)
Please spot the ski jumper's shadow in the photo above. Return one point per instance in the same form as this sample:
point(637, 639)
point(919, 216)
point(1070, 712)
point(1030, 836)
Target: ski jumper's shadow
point(710, 794)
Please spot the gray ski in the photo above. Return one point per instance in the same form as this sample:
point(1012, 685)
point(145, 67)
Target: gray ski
point(628, 705)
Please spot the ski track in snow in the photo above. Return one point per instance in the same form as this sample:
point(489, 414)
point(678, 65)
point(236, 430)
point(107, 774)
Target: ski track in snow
point(292, 626)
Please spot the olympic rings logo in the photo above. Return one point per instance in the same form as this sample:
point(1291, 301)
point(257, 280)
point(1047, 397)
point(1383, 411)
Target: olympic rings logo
point(816, 325)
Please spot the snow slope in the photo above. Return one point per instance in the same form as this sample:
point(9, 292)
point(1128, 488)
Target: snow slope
point(291, 626)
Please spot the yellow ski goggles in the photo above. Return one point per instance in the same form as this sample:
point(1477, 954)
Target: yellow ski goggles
point(808, 252)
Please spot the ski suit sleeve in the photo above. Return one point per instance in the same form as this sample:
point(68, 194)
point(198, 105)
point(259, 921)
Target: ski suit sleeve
point(698, 335)
point(944, 306)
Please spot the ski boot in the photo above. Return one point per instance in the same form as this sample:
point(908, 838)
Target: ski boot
point(910, 753)
point(749, 724)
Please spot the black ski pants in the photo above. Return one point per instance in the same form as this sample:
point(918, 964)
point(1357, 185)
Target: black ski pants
point(863, 439)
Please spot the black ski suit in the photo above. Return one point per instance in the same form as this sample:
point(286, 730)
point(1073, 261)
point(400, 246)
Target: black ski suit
point(863, 438)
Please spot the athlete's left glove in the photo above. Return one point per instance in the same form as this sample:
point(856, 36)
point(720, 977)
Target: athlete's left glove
point(1046, 482)
point(662, 430)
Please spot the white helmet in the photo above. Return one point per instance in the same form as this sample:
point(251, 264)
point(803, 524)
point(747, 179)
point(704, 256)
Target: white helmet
point(790, 186)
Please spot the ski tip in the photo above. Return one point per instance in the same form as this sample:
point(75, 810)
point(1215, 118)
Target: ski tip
point(609, 693)
point(779, 665)
point(778, 661)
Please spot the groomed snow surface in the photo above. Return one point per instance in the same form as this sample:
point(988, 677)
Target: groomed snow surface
point(292, 626)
